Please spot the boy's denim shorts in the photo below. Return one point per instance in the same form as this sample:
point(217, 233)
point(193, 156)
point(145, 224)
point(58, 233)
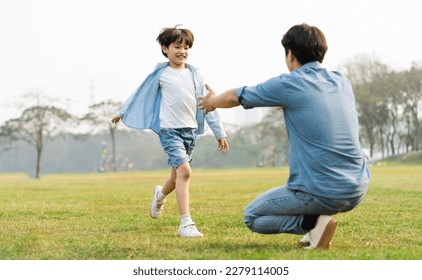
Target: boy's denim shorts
point(178, 144)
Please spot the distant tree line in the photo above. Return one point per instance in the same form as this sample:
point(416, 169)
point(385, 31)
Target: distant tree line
point(388, 103)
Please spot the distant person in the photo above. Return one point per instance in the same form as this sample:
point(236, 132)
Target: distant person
point(103, 160)
point(328, 174)
point(166, 102)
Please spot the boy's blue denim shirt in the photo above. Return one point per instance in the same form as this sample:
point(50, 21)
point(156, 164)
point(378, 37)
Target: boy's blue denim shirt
point(142, 109)
point(322, 125)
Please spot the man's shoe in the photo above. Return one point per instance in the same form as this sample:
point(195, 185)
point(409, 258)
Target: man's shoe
point(320, 236)
point(156, 207)
point(306, 240)
point(189, 231)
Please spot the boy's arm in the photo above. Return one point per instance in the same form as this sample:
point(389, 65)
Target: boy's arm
point(213, 120)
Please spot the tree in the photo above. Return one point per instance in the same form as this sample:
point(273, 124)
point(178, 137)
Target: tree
point(100, 115)
point(388, 103)
point(363, 70)
point(390, 86)
point(271, 139)
point(5, 143)
point(34, 125)
point(412, 93)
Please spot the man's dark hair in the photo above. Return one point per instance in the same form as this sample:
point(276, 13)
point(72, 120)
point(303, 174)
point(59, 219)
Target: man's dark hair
point(307, 43)
point(176, 34)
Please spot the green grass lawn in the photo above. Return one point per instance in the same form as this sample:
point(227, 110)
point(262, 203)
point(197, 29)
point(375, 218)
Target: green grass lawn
point(106, 216)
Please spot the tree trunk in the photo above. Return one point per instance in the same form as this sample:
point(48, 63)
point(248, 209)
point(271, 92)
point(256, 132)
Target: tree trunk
point(113, 148)
point(39, 146)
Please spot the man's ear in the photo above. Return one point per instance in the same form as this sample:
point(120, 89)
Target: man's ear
point(291, 56)
point(164, 49)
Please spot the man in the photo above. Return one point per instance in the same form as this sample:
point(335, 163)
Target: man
point(328, 174)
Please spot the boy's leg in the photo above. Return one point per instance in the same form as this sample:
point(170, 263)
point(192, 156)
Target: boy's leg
point(159, 195)
point(179, 145)
point(187, 228)
point(157, 204)
point(170, 183)
point(183, 173)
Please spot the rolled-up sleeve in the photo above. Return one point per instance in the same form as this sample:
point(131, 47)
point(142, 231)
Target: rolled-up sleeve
point(271, 93)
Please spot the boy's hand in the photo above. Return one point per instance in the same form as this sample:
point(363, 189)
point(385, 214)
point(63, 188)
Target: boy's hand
point(115, 120)
point(223, 145)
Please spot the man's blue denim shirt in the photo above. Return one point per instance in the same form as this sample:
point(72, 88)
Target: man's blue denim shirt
point(322, 124)
point(142, 109)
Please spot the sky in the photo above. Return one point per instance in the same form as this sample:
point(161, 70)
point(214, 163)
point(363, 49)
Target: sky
point(87, 51)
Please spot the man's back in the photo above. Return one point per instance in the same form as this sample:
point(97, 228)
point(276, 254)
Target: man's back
point(322, 125)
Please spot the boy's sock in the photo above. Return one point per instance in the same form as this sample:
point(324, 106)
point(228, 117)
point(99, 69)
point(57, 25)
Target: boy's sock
point(160, 195)
point(186, 220)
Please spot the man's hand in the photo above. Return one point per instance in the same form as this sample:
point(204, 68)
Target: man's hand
point(205, 101)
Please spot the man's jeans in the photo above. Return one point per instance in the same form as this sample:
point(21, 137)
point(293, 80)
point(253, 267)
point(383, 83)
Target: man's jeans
point(281, 210)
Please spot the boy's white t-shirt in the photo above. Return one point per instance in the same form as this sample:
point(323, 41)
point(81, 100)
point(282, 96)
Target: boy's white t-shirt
point(178, 103)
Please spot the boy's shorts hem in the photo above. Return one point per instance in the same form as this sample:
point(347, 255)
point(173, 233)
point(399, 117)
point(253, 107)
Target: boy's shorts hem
point(176, 165)
point(178, 144)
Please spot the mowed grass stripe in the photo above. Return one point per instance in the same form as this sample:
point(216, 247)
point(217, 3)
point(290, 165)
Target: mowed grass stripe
point(106, 216)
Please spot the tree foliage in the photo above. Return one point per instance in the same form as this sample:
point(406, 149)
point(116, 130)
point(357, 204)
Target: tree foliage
point(388, 104)
point(99, 116)
point(36, 123)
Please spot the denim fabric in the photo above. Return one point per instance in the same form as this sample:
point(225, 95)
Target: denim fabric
point(142, 109)
point(326, 157)
point(178, 144)
point(281, 210)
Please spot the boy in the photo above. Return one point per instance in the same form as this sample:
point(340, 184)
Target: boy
point(328, 174)
point(166, 102)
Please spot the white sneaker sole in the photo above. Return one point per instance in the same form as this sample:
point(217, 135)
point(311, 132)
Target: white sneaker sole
point(327, 235)
point(194, 234)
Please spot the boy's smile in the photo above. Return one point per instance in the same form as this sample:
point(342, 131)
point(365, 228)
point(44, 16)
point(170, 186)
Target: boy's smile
point(177, 53)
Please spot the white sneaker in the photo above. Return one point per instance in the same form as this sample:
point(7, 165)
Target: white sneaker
point(320, 236)
point(189, 231)
point(156, 207)
point(306, 240)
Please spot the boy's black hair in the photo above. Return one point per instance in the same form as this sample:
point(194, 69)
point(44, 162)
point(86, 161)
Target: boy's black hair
point(176, 34)
point(307, 43)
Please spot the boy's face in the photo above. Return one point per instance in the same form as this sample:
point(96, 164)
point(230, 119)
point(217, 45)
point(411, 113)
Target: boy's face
point(177, 53)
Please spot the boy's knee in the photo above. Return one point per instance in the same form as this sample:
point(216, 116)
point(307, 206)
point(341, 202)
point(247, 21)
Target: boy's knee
point(185, 176)
point(184, 172)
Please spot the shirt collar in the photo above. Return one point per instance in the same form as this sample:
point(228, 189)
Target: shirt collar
point(313, 64)
point(165, 64)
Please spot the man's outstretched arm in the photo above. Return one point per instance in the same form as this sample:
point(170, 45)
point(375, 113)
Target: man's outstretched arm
point(212, 101)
